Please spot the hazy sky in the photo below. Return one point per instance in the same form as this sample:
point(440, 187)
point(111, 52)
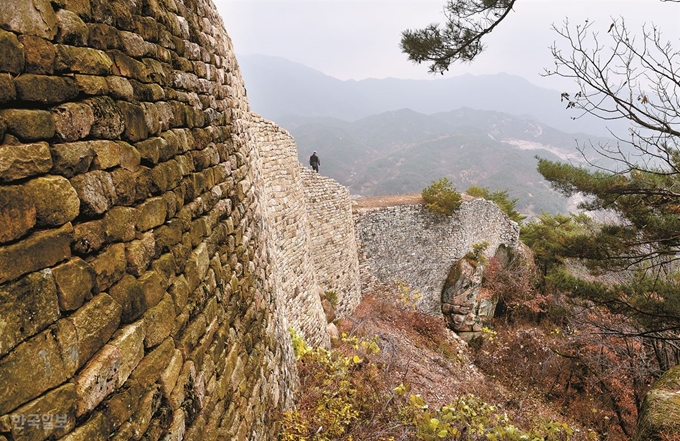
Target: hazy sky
point(357, 39)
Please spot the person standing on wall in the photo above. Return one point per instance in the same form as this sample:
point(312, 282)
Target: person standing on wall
point(314, 162)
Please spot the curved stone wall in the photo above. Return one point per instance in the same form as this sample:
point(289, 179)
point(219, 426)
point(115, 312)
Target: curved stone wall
point(408, 242)
point(136, 293)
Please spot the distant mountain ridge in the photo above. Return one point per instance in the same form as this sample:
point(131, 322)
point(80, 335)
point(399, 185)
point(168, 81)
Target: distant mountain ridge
point(278, 88)
point(403, 151)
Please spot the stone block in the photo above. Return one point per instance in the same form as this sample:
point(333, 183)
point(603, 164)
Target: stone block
point(135, 125)
point(128, 67)
point(56, 201)
point(165, 266)
point(7, 92)
point(108, 119)
point(73, 121)
point(121, 406)
point(167, 236)
point(166, 176)
point(147, 405)
point(28, 124)
point(96, 428)
point(88, 237)
point(130, 158)
point(183, 385)
point(95, 323)
point(152, 118)
point(11, 52)
point(92, 85)
point(149, 370)
point(129, 293)
point(96, 192)
point(106, 154)
point(27, 306)
point(38, 251)
point(153, 288)
point(71, 29)
point(171, 373)
point(150, 149)
point(120, 88)
point(17, 213)
point(39, 54)
point(109, 266)
point(130, 341)
point(82, 60)
point(152, 213)
point(60, 403)
point(72, 159)
point(120, 224)
point(98, 379)
point(179, 290)
point(52, 356)
point(45, 89)
point(33, 17)
point(139, 253)
point(104, 36)
point(159, 321)
point(75, 280)
point(24, 160)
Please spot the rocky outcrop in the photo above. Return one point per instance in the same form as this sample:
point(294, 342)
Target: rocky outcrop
point(659, 417)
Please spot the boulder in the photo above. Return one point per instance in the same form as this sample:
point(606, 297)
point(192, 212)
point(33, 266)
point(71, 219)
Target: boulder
point(659, 417)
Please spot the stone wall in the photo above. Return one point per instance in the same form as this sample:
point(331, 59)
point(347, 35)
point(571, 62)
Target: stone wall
point(334, 247)
point(409, 243)
point(136, 293)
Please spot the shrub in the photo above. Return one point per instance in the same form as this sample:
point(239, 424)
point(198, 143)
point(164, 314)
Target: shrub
point(441, 197)
point(500, 198)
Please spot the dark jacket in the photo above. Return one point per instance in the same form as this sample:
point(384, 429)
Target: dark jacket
point(314, 161)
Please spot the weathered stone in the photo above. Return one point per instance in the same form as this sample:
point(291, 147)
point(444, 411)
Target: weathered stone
point(135, 126)
point(29, 125)
point(56, 201)
point(179, 290)
point(120, 88)
point(23, 160)
point(96, 192)
point(151, 213)
point(151, 148)
point(152, 118)
point(72, 158)
point(153, 364)
point(130, 158)
point(17, 212)
point(27, 306)
point(95, 323)
point(128, 67)
point(130, 341)
point(153, 288)
point(171, 373)
point(159, 321)
point(92, 84)
point(88, 237)
point(39, 54)
point(108, 119)
point(129, 293)
point(38, 251)
point(45, 89)
point(120, 224)
point(75, 281)
point(94, 429)
point(81, 60)
point(60, 403)
point(104, 36)
point(34, 17)
point(7, 92)
point(122, 405)
point(73, 121)
point(71, 29)
point(52, 356)
point(139, 254)
point(134, 45)
point(148, 404)
point(109, 266)
point(106, 154)
point(98, 379)
point(183, 384)
point(11, 52)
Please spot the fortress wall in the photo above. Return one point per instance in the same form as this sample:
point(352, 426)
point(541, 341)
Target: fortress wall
point(136, 293)
point(409, 243)
point(292, 261)
point(334, 246)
